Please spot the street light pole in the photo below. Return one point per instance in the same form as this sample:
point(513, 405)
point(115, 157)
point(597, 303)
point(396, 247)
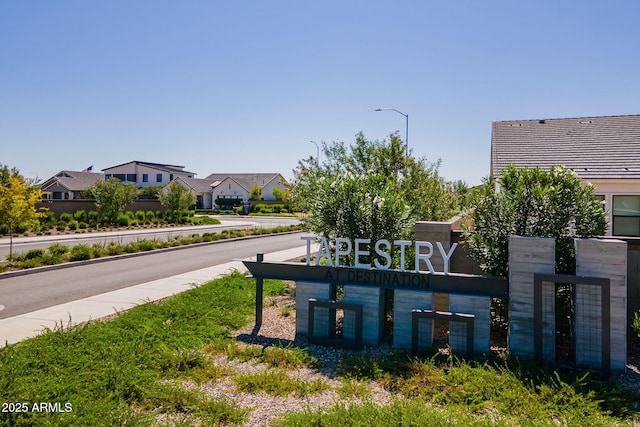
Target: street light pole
point(406, 132)
point(317, 151)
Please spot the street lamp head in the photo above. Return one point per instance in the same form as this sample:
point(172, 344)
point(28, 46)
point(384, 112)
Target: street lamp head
point(392, 109)
point(406, 116)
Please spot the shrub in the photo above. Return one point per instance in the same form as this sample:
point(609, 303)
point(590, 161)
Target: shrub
point(49, 258)
point(58, 249)
point(80, 215)
point(29, 263)
point(532, 202)
point(146, 245)
point(66, 217)
point(34, 253)
point(83, 225)
point(61, 226)
point(99, 250)
point(114, 249)
point(123, 220)
point(23, 227)
point(48, 220)
point(81, 253)
point(93, 218)
point(141, 217)
point(150, 216)
point(73, 224)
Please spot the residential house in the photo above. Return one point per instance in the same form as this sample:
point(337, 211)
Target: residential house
point(69, 185)
point(145, 174)
point(604, 151)
point(231, 186)
point(239, 185)
point(201, 188)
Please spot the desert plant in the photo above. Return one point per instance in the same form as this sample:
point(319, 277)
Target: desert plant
point(81, 253)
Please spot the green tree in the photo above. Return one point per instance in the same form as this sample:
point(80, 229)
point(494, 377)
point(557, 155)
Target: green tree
point(281, 194)
point(255, 193)
point(111, 196)
point(532, 202)
point(150, 192)
point(371, 189)
point(17, 202)
point(176, 198)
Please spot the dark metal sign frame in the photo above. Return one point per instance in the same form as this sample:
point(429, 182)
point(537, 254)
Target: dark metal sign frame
point(452, 283)
point(605, 311)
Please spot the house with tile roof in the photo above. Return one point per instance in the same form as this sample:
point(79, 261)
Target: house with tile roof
point(604, 151)
point(231, 186)
point(68, 185)
point(145, 174)
point(201, 188)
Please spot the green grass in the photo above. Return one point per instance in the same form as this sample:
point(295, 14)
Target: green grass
point(278, 383)
point(145, 367)
point(110, 371)
point(449, 391)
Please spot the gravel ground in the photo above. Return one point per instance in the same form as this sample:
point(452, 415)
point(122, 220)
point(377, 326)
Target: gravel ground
point(278, 329)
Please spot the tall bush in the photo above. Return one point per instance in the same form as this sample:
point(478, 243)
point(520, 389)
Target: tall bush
point(112, 196)
point(533, 202)
point(372, 189)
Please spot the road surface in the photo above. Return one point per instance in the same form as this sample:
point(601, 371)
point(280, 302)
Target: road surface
point(23, 294)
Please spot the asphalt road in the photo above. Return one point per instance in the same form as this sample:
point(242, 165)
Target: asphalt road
point(23, 244)
point(23, 294)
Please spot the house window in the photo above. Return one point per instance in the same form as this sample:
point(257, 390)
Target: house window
point(170, 177)
point(158, 177)
point(145, 177)
point(626, 216)
point(107, 176)
point(131, 177)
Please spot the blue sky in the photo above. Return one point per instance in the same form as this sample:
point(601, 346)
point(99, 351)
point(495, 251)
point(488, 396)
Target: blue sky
point(244, 86)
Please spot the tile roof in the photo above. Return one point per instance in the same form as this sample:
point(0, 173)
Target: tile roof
point(246, 180)
point(199, 185)
point(73, 180)
point(594, 147)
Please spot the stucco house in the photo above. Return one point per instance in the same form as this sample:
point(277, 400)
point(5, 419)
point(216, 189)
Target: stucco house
point(145, 174)
point(68, 185)
point(231, 186)
point(201, 188)
point(604, 151)
point(239, 185)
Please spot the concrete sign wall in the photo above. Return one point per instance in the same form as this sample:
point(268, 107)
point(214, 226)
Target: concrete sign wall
point(600, 294)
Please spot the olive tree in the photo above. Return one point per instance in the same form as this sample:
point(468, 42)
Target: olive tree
point(111, 197)
point(176, 198)
point(532, 202)
point(371, 189)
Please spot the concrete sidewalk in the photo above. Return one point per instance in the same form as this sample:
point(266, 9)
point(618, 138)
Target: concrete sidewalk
point(18, 328)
